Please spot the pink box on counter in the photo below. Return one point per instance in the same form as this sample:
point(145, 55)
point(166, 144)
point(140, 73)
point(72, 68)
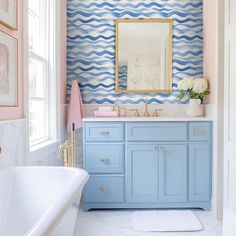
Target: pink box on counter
point(106, 113)
point(105, 108)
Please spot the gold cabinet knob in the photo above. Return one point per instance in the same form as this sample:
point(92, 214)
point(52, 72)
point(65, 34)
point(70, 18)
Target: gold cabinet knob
point(104, 189)
point(105, 160)
point(104, 132)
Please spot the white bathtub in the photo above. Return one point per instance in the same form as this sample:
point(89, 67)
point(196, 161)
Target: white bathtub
point(34, 199)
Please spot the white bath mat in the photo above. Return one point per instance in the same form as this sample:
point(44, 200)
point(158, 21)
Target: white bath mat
point(166, 221)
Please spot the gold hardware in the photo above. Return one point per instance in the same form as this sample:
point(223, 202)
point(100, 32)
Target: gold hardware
point(199, 131)
point(136, 113)
point(122, 111)
point(104, 189)
point(0, 149)
point(117, 108)
point(161, 148)
point(156, 114)
point(73, 145)
point(104, 159)
point(64, 151)
point(104, 133)
point(146, 113)
point(67, 150)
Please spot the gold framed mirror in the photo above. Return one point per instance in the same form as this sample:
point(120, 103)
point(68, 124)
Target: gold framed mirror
point(144, 56)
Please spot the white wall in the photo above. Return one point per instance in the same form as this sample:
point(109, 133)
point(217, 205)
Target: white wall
point(220, 110)
point(214, 71)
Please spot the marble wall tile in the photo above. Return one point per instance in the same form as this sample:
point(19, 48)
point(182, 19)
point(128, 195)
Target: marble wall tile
point(12, 141)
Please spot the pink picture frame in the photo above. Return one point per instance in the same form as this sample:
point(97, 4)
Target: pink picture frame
point(8, 70)
point(8, 13)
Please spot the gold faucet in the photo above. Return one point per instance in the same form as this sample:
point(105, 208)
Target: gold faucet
point(156, 114)
point(64, 151)
point(136, 113)
point(146, 113)
point(67, 150)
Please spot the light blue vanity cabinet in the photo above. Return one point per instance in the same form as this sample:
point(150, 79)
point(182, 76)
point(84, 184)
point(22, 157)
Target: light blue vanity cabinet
point(141, 173)
point(199, 169)
point(140, 164)
point(173, 172)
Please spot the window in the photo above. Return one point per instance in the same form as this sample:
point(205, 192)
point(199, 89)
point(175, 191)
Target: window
point(41, 67)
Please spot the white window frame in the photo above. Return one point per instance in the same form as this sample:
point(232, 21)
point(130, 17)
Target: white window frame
point(34, 56)
point(52, 63)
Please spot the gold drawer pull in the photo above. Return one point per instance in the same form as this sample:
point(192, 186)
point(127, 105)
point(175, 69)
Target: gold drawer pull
point(104, 189)
point(199, 131)
point(104, 160)
point(104, 132)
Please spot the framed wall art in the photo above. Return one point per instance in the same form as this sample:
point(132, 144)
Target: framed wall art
point(8, 13)
point(8, 70)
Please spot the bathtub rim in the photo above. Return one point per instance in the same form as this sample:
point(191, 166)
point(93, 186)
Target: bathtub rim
point(50, 218)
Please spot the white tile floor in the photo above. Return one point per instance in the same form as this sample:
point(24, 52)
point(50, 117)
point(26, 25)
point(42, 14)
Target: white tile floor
point(119, 223)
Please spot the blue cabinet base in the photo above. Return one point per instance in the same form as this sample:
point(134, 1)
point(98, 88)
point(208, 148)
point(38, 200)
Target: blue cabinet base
point(148, 165)
point(190, 205)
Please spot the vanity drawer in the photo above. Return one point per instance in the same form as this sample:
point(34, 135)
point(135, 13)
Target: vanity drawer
point(104, 158)
point(156, 131)
point(104, 131)
point(200, 131)
point(104, 189)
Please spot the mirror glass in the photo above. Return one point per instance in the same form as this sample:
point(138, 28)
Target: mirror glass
point(144, 56)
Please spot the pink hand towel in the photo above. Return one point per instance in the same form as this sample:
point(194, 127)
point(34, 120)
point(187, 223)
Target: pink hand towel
point(76, 110)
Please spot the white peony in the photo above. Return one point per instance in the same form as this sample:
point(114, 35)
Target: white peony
point(186, 84)
point(189, 82)
point(200, 86)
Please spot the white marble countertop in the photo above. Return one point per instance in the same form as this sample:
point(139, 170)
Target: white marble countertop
point(161, 118)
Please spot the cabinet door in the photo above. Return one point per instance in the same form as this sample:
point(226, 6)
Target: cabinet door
point(142, 173)
point(199, 172)
point(172, 173)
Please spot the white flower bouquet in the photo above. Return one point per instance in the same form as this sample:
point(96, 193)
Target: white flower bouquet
point(194, 88)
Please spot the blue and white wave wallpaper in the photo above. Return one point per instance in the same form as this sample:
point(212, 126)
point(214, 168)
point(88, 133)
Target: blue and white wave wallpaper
point(123, 76)
point(91, 45)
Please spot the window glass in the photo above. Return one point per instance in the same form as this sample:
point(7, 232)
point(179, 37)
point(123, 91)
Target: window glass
point(38, 38)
